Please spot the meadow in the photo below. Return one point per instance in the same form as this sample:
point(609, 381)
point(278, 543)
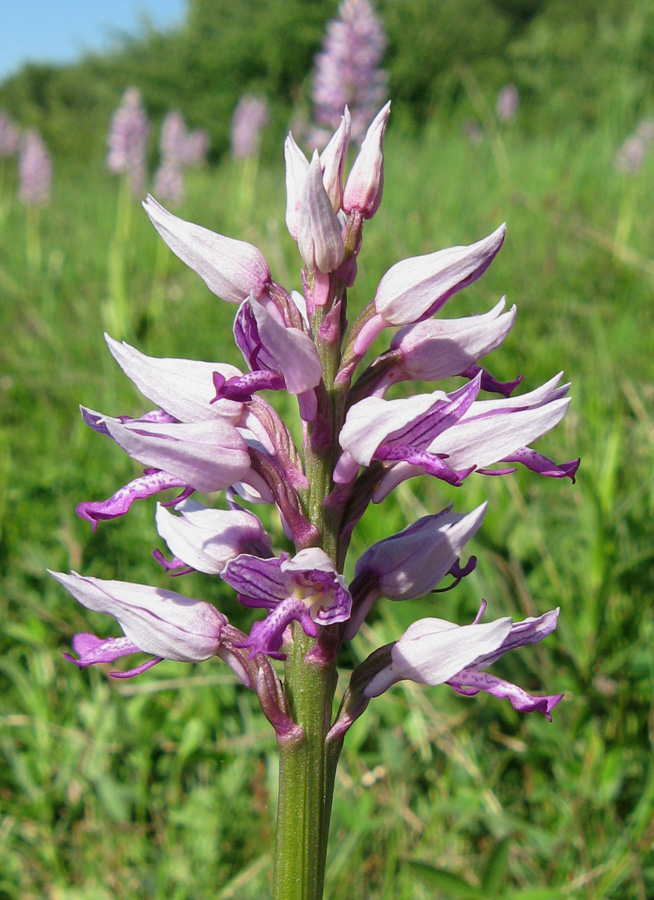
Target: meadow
point(164, 785)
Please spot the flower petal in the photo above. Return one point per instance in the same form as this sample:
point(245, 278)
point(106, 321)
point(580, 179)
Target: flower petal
point(182, 387)
point(432, 651)
point(156, 621)
point(208, 456)
point(417, 287)
point(231, 269)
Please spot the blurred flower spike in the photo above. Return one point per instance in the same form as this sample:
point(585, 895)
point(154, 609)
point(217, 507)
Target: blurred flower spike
point(9, 136)
point(347, 72)
point(248, 121)
point(213, 427)
point(506, 105)
point(34, 170)
point(128, 134)
point(630, 156)
point(178, 148)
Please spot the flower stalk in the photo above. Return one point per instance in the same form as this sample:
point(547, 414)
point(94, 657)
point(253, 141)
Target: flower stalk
point(307, 770)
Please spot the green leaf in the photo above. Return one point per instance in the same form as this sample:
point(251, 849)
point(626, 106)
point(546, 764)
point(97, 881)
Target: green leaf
point(495, 874)
point(452, 885)
point(538, 894)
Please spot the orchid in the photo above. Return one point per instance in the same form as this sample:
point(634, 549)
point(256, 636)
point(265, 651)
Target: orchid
point(127, 140)
point(249, 119)
point(214, 428)
point(178, 149)
point(347, 70)
point(34, 170)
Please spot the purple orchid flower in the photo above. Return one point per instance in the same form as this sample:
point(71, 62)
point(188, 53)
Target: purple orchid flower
point(9, 136)
point(412, 562)
point(433, 651)
point(206, 539)
point(451, 439)
point(285, 357)
point(128, 136)
point(319, 237)
point(392, 430)
point(441, 348)
point(184, 388)
point(347, 71)
point(213, 428)
point(365, 183)
point(249, 119)
point(207, 456)
point(161, 623)
point(306, 589)
point(34, 170)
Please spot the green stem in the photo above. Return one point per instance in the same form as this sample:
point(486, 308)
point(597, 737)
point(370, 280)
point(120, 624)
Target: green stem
point(116, 309)
point(306, 778)
point(157, 294)
point(33, 239)
point(307, 761)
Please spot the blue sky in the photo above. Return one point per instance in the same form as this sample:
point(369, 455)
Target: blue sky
point(60, 31)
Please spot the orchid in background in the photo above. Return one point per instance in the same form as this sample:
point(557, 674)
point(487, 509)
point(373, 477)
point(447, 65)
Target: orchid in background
point(213, 428)
point(9, 136)
point(506, 105)
point(128, 134)
point(630, 155)
point(249, 119)
point(34, 170)
point(347, 72)
point(34, 182)
point(179, 148)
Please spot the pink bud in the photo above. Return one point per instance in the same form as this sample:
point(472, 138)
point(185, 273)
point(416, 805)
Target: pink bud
point(297, 168)
point(332, 160)
point(319, 233)
point(365, 183)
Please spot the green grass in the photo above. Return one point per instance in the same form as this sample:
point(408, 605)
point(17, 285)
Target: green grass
point(165, 786)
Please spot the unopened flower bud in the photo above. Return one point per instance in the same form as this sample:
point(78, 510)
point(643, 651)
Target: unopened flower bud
point(297, 168)
point(332, 160)
point(319, 233)
point(365, 183)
